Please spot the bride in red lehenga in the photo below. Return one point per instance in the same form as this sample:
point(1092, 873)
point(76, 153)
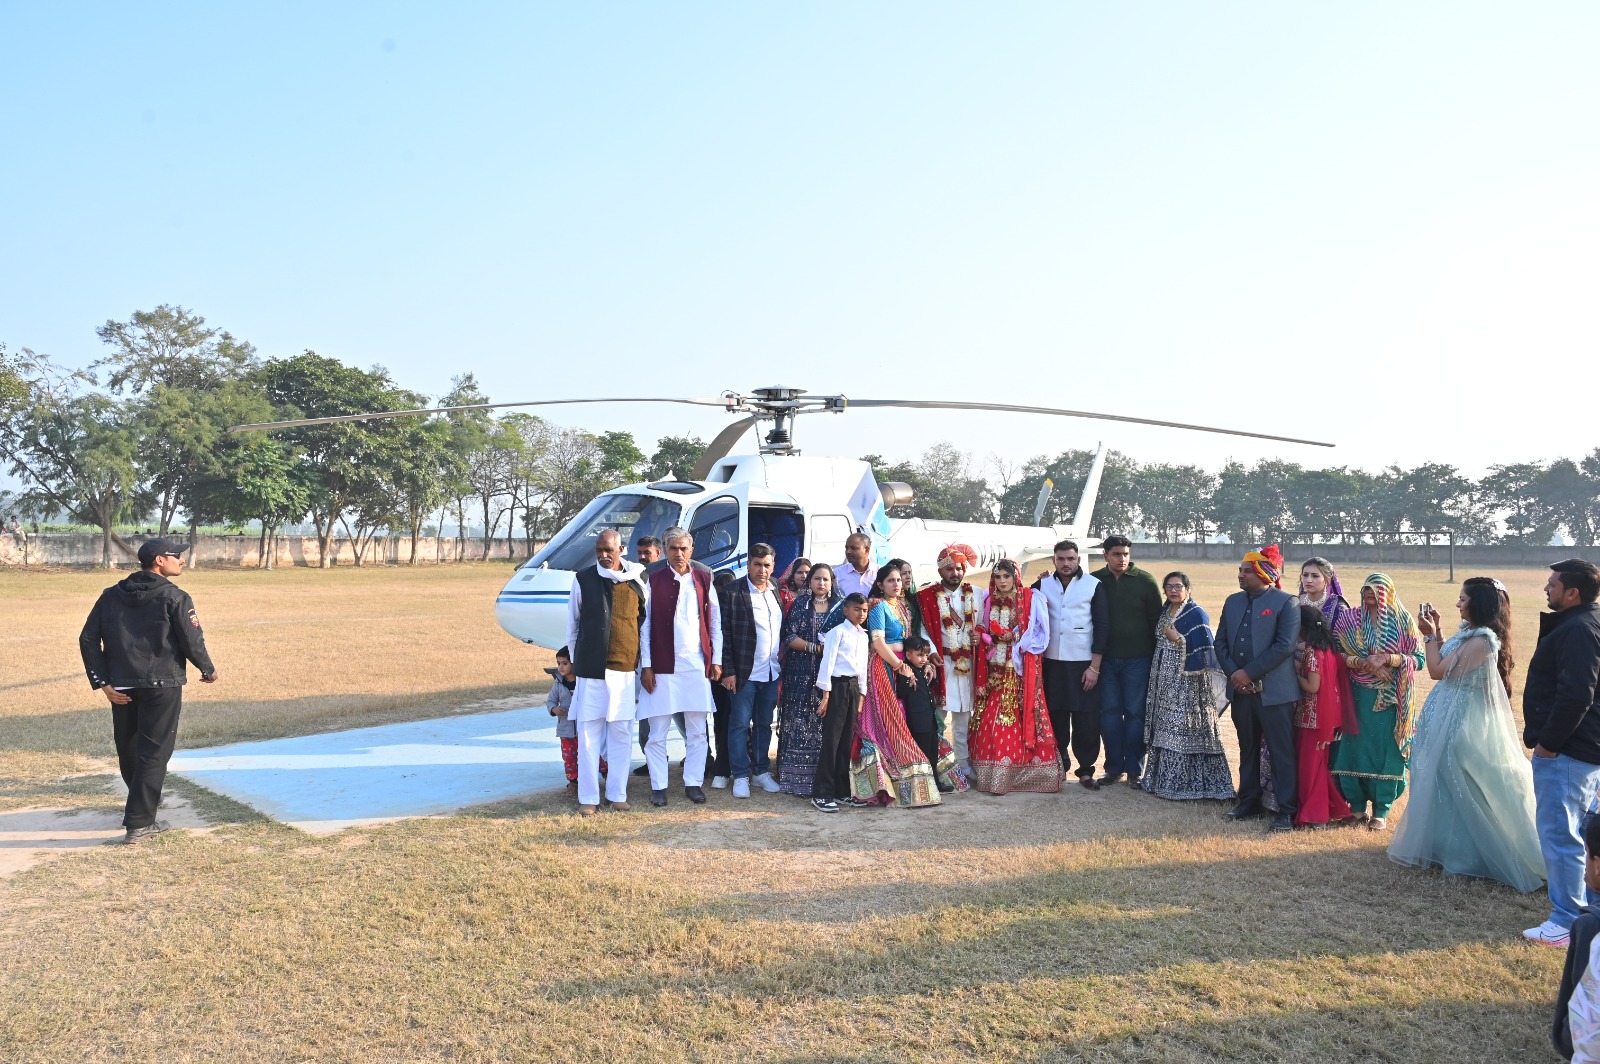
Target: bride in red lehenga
point(1013, 747)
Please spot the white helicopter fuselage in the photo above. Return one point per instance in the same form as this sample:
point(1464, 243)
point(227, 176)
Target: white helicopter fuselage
point(802, 506)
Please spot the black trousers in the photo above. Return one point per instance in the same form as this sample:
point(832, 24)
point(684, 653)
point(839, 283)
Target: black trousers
point(717, 759)
point(1252, 720)
point(1074, 713)
point(838, 736)
point(145, 730)
point(924, 729)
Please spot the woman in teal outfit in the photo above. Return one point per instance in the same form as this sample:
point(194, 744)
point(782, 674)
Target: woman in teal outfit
point(1471, 807)
point(1383, 650)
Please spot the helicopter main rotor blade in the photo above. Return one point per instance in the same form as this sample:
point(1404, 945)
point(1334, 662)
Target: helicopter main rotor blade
point(934, 405)
point(267, 426)
point(718, 448)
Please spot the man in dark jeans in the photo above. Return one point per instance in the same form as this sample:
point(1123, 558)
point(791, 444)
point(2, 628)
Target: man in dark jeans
point(1561, 721)
point(1134, 604)
point(134, 645)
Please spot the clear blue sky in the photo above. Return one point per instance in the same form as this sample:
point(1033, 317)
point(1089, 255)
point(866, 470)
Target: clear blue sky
point(1373, 223)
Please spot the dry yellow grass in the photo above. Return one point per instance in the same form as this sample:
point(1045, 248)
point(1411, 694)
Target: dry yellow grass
point(1108, 926)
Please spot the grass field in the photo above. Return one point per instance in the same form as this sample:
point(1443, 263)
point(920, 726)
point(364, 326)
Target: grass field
point(1104, 926)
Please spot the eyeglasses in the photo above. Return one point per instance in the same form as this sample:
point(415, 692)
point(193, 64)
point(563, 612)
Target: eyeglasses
point(1177, 587)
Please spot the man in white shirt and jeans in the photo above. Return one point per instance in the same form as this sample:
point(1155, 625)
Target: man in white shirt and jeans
point(839, 673)
point(1080, 622)
point(752, 627)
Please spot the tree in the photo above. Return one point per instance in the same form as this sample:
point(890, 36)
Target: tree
point(1325, 500)
point(1251, 505)
point(1515, 490)
point(172, 347)
point(943, 483)
point(334, 459)
point(1115, 508)
point(675, 456)
point(1173, 499)
point(252, 477)
point(74, 451)
point(1569, 495)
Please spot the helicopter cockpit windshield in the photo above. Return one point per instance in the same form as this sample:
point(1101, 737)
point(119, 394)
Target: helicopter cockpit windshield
point(633, 516)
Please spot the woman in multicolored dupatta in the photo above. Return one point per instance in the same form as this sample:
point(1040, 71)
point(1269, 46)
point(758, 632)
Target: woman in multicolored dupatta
point(1012, 745)
point(889, 768)
point(1187, 691)
point(1383, 650)
point(794, 582)
point(799, 726)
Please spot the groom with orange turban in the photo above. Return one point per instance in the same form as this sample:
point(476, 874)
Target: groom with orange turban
point(949, 622)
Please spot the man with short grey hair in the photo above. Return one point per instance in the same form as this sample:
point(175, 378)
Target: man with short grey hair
point(604, 619)
point(680, 657)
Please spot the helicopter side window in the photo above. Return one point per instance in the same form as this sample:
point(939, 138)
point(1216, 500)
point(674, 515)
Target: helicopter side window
point(716, 531)
point(633, 516)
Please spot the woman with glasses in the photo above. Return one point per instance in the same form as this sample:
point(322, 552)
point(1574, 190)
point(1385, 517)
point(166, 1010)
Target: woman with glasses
point(1185, 760)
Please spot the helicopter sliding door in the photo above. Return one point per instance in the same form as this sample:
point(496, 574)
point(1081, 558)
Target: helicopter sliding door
point(718, 530)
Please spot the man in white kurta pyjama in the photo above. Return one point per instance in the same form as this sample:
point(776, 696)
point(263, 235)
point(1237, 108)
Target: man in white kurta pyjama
point(679, 653)
point(604, 618)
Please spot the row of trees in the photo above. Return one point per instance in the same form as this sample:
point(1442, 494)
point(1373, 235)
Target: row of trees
point(1522, 503)
point(142, 436)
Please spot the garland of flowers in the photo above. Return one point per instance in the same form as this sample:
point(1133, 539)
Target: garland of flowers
point(956, 629)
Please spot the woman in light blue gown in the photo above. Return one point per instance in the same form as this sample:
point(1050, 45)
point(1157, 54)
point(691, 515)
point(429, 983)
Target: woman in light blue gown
point(1471, 807)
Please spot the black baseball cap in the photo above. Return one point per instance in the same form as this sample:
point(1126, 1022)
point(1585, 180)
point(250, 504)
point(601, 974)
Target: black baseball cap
point(152, 549)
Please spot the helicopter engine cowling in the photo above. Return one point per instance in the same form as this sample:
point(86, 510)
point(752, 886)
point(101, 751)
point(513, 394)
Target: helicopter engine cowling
point(896, 493)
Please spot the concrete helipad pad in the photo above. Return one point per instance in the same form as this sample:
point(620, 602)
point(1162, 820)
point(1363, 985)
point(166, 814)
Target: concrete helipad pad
point(324, 783)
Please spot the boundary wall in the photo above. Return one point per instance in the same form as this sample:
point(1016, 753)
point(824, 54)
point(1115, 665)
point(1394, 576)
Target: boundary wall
point(19, 550)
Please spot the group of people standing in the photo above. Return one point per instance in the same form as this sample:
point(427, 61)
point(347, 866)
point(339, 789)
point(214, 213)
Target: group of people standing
point(886, 694)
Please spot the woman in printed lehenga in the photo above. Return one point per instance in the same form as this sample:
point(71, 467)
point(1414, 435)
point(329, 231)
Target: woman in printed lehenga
point(1471, 811)
point(799, 727)
point(1012, 745)
point(1321, 714)
point(889, 768)
point(1187, 691)
point(1382, 649)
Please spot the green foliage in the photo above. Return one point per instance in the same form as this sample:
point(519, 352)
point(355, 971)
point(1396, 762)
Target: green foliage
point(943, 483)
point(675, 456)
point(172, 347)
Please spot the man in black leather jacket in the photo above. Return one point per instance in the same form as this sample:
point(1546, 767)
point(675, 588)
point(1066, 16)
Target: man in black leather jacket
point(1561, 715)
point(134, 645)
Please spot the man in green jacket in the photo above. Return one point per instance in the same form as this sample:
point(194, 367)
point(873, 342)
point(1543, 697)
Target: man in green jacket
point(1134, 600)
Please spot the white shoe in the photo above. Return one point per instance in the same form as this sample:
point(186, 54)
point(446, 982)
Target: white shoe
point(768, 784)
point(741, 788)
point(719, 782)
point(1548, 934)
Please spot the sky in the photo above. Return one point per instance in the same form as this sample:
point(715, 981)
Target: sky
point(1372, 224)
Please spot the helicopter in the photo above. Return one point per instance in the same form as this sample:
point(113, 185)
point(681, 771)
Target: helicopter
point(801, 505)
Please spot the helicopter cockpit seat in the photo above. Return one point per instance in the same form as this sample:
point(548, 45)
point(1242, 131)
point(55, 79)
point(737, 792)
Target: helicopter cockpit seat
point(784, 529)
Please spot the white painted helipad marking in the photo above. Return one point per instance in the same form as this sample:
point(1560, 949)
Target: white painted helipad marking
point(324, 783)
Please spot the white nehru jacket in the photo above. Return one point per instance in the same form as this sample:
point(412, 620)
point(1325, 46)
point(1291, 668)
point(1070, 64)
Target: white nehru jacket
point(1071, 621)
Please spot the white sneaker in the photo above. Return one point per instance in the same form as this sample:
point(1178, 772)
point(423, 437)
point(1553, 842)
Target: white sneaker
point(1548, 934)
point(719, 782)
point(741, 788)
point(768, 784)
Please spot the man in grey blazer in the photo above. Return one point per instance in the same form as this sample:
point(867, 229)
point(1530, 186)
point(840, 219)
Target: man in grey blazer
point(1255, 647)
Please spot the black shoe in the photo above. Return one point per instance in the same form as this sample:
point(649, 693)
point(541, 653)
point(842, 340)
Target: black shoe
point(695, 795)
point(949, 788)
point(1244, 811)
point(658, 798)
point(1283, 822)
point(149, 831)
point(1088, 782)
point(825, 805)
point(642, 770)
